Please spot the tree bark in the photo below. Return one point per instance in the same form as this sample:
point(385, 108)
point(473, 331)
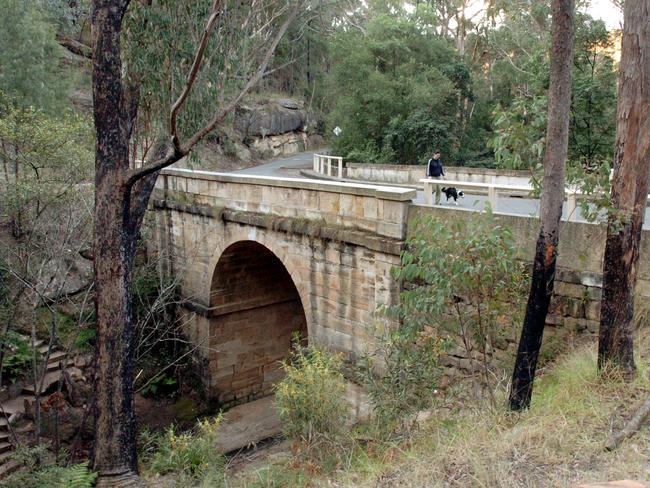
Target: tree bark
point(114, 454)
point(629, 192)
point(557, 140)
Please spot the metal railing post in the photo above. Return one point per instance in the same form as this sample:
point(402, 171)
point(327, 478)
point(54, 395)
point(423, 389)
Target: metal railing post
point(492, 196)
point(571, 207)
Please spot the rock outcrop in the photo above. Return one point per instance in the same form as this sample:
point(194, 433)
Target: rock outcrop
point(270, 118)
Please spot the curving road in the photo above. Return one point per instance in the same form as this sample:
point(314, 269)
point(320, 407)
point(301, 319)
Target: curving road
point(290, 166)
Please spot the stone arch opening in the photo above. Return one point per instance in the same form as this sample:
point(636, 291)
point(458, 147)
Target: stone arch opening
point(255, 308)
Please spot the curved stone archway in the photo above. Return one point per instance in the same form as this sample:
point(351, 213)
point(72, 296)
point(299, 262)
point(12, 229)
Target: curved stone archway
point(255, 309)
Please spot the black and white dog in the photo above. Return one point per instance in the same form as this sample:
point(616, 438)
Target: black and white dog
point(451, 192)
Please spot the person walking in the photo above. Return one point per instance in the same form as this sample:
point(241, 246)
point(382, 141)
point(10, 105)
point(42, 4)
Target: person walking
point(435, 170)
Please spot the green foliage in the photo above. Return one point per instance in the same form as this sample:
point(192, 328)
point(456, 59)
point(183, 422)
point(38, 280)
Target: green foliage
point(30, 58)
point(395, 91)
point(44, 161)
point(37, 473)
point(85, 339)
point(160, 42)
point(401, 374)
point(18, 355)
point(78, 476)
point(520, 122)
point(463, 280)
point(311, 398)
point(519, 137)
point(192, 456)
point(160, 383)
point(69, 16)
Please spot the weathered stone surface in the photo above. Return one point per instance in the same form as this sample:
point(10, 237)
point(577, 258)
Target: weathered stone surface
point(282, 144)
point(592, 310)
point(268, 119)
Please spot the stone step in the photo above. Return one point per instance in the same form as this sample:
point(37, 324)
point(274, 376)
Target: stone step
point(57, 356)
point(9, 467)
point(15, 405)
point(5, 446)
point(49, 379)
point(4, 436)
point(55, 366)
point(4, 456)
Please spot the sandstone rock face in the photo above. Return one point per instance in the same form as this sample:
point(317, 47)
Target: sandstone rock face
point(283, 144)
point(270, 119)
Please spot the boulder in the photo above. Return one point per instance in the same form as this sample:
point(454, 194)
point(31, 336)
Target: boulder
point(279, 145)
point(65, 275)
point(269, 119)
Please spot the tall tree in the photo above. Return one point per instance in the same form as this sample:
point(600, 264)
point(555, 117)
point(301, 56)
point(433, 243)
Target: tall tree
point(629, 192)
point(122, 194)
point(557, 142)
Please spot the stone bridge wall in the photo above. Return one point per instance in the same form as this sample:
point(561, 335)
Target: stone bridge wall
point(258, 258)
point(337, 242)
point(575, 307)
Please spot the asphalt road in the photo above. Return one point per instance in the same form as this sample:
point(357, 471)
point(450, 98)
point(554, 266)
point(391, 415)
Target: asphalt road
point(290, 166)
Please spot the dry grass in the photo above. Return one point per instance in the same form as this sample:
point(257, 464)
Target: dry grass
point(557, 443)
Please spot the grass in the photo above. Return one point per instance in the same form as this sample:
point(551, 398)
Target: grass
point(558, 442)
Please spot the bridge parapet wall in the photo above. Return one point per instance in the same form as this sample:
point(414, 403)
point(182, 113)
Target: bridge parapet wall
point(399, 174)
point(380, 210)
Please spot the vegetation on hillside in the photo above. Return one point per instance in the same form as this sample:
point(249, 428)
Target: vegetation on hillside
point(400, 79)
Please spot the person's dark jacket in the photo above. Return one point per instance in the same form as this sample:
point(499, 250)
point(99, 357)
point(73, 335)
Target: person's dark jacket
point(434, 168)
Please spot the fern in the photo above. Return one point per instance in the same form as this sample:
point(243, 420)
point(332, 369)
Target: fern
point(78, 476)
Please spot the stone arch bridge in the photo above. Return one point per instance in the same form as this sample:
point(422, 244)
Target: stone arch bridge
point(261, 258)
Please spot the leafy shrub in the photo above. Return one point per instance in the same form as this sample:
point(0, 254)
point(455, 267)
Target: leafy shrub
point(468, 282)
point(310, 399)
point(161, 383)
point(400, 375)
point(17, 355)
point(193, 456)
point(78, 476)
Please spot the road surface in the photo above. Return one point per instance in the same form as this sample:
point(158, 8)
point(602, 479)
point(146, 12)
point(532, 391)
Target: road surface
point(290, 166)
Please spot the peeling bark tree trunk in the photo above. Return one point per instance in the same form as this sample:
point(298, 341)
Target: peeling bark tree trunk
point(114, 453)
point(629, 191)
point(557, 140)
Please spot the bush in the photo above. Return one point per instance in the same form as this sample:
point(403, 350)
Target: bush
point(401, 375)
point(192, 456)
point(310, 399)
point(462, 286)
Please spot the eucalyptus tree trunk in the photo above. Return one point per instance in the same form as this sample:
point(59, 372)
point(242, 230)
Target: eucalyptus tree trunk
point(557, 141)
point(629, 192)
point(114, 454)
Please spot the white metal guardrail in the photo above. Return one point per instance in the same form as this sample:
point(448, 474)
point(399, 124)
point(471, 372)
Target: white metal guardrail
point(494, 189)
point(323, 165)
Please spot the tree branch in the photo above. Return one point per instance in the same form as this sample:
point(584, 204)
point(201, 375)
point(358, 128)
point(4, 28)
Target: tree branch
point(191, 77)
point(179, 150)
point(631, 428)
point(75, 46)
